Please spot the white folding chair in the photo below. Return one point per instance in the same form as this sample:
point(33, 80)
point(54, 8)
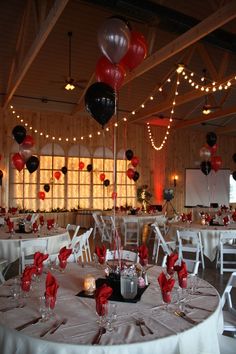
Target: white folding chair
point(73, 230)
point(124, 255)
point(27, 250)
point(227, 246)
point(190, 241)
point(159, 241)
point(160, 221)
point(131, 230)
point(107, 228)
point(80, 247)
point(227, 344)
point(4, 265)
point(229, 312)
point(99, 226)
point(86, 244)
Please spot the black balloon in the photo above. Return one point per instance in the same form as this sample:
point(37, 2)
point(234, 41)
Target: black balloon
point(211, 138)
point(46, 187)
point(89, 168)
point(136, 176)
point(19, 133)
point(106, 182)
point(234, 175)
point(32, 164)
point(100, 102)
point(206, 167)
point(129, 154)
point(64, 170)
point(234, 157)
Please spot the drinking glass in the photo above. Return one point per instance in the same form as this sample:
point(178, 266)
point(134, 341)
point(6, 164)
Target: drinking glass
point(43, 309)
point(101, 314)
point(15, 289)
point(111, 315)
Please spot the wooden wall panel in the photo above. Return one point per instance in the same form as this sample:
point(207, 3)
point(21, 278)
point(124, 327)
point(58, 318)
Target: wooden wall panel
point(156, 168)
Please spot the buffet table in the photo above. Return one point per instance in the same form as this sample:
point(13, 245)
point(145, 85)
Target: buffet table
point(10, 247)
point(210, 235)
point(172, 334)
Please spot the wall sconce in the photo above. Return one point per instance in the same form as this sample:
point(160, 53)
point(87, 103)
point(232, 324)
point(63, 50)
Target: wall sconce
point(175, 179)
point(1, 176)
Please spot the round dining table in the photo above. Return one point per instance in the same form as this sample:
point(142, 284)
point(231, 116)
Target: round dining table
point(10, 244)
point(77, 315)
point(210, 235)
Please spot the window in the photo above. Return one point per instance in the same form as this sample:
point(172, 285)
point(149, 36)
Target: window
point(76, 188)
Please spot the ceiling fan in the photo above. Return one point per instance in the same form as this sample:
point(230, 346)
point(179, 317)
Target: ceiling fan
point(70, 83)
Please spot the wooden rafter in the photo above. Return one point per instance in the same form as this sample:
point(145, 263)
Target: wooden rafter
point(182, 99)
point(209, 66)
point(202, 119)
point(43, 33)
point(211, 23)
point(227, 129)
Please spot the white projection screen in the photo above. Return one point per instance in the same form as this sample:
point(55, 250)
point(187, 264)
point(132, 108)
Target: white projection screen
point(204, 190)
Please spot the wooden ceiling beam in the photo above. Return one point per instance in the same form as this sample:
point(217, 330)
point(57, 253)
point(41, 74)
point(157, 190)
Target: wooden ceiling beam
point(203, 119)
point(40, 39)
point(181, 99)
point(80, 104)
point(225, 130)
point(210, 24)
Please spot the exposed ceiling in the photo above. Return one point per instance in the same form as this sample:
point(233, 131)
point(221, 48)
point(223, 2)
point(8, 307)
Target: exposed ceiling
point(200, 34)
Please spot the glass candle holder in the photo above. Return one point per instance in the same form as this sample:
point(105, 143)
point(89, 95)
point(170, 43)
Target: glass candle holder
point(89, 285)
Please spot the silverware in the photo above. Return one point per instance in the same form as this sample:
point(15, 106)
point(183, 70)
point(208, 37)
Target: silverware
point(185, 317)
point(138, 323)
point(142, 322)
point(48, 329)
point(12, 307)
point(2, 295)
point(96, 340)
point(35, 320)
point(197, 307)
point(204, 294)
point(62, 322)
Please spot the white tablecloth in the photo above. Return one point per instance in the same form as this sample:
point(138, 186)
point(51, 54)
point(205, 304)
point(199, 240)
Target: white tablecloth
point(10, 248)
point(172, 334)
point(210, 235)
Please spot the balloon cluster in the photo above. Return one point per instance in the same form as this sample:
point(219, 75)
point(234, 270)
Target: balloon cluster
point(234, 173)
point(24, 156)
point(134, 161)
point(123, 49)
point(208, 155)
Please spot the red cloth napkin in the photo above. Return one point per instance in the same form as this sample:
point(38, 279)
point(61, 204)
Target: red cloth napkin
point(50, 223)
point(170, 262)
point(143, 255)
point(189, 216)
point(51, 290)
point(166, 286)
point(101, 253)
point(63, 255)
point(183, 217)
point(182, 274)
point(10, 225)
point(234, 216)
point(39, 258)
point(41, 220)
point(27, 276)
point(226, 220)
point(101, 297)
point(28, 217)
point(35, 226)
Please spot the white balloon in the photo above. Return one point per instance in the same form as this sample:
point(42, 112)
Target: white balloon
point(26, 153)
point(114, 39)
point(205, 153)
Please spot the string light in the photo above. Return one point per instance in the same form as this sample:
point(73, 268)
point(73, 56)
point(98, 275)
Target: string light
point(158, 148)
point(183, 71)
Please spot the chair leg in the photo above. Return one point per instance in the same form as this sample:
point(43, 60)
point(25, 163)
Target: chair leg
point(2, 279)
point(202, 258)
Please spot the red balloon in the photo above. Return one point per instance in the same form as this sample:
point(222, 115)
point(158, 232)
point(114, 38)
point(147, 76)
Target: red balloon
point(137, 51)
point(135, 161)
point(102, 177)
point(212, 149)
point(111, 74)
point(41, 195)
point(130, 173)
point(216, 162)
point(81, 165)
point(57, 175)
point(114, 195)
point(28, 142)
point(18, 161)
